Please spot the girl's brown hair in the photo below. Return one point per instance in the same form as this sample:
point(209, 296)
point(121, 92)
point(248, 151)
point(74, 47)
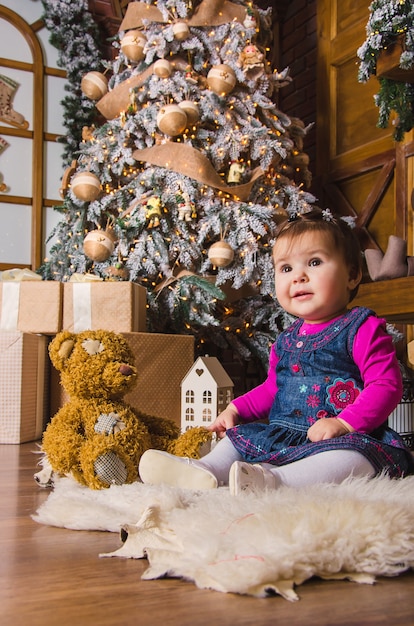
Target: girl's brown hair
point(343, 236)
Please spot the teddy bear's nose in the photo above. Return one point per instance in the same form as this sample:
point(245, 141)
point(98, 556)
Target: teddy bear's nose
point(125, 369)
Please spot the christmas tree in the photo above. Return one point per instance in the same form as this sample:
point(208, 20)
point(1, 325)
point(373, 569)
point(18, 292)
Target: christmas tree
point(182, 183)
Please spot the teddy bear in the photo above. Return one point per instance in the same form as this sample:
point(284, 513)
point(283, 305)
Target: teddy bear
point(96, 436)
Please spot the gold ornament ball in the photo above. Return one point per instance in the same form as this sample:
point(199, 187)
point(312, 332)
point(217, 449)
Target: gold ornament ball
point(132, 45)
point(172, 120)
point(98, 245)
point(94, 85)
point(117, 273)
point(221, 254)
point(162, 68)
point(86, 186)
point(191, 110)
point(221, 79)
point(180, 31)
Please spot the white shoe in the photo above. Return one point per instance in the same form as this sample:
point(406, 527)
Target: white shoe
point(157, 467)
point(247, 477)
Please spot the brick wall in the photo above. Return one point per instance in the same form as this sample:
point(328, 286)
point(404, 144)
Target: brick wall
point(298, 50)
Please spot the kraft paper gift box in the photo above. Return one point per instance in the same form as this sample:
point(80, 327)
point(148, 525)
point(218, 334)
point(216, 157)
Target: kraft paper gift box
point(31, 306)
point(108, 305)
point(162, 361)
point(24, 386)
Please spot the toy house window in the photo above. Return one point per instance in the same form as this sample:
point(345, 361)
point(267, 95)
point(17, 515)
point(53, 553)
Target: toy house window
point(189, 415)
point(207, 397)
point(206, 415)
point(229, 396)
point(221, 396)
point(189, 397)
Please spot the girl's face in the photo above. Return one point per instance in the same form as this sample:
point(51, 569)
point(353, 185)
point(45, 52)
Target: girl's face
point(312, 279)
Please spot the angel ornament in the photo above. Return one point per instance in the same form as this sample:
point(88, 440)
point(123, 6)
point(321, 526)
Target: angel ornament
point(251, 60)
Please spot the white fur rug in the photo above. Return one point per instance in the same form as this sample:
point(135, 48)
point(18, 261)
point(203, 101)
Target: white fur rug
point(258, 544)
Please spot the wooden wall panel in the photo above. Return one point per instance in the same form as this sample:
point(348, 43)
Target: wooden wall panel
point(348, 14)
point(356, 117)
point(356, 189)
point(364, 172)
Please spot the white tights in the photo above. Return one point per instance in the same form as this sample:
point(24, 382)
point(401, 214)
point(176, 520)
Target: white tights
point(332, 466)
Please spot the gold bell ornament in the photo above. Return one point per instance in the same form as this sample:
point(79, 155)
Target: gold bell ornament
point(86, 186)
point(221, 254)
point(191, 110)
point(172, 120)
point(162, 68)
point(99, 244)
point(133, 44)
point(94, 85)
point(221, 79)
point(180, 31)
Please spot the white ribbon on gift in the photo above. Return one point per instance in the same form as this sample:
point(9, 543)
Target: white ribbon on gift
point(10, 306)
point(82, 307)
point(82, 300)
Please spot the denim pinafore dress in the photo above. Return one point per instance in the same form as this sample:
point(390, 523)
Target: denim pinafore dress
point(317, 378)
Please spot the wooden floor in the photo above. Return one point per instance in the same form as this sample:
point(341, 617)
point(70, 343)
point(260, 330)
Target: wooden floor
point(54, 577)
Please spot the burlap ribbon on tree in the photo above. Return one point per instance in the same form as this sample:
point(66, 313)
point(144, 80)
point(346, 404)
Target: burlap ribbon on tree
point(208, 13)
point(119, 99)
point(186, 160)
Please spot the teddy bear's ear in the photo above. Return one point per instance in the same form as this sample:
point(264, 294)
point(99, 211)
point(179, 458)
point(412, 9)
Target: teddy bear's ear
point(61, 348)
point(66, 348)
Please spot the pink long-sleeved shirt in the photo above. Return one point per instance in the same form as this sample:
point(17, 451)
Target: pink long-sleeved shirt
point(373, 353)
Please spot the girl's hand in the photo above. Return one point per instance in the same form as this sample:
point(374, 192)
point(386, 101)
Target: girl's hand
point(328, 428)
point(227, 419)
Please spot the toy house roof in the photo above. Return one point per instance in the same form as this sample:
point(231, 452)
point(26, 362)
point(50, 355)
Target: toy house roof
point(215, 369)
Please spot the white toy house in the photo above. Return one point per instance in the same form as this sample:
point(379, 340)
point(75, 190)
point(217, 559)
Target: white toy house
point(206, 390)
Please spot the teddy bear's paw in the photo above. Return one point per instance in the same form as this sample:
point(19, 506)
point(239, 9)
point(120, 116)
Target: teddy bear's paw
point(110, 469)
point(109, 424)
point(44, 477)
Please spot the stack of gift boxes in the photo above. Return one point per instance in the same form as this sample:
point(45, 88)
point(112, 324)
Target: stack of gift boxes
point(32, 311)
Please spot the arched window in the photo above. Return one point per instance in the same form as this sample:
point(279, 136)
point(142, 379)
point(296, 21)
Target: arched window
point(206, 415)
point(207, 397)
point(32, 165)
point(189, 396)
point(189, 415)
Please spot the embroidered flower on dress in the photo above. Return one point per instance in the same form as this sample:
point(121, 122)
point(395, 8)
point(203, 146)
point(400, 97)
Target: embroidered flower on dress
point(342, 392)
point(313, 401)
